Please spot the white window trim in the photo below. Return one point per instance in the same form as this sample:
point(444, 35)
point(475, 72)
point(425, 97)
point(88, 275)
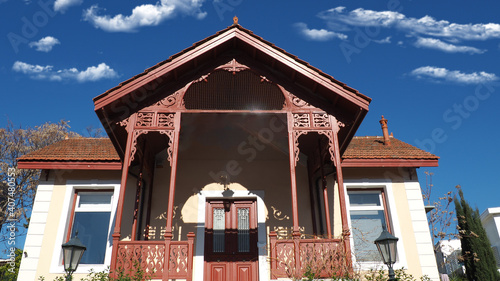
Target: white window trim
point(56, 266)
point(392, 211)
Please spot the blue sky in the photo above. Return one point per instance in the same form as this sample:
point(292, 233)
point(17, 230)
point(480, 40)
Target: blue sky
point(431, 67)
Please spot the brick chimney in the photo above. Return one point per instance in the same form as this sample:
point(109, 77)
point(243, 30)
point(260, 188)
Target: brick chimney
point(385, 131)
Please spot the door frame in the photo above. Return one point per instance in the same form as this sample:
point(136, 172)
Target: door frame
point(241, 193)
point(231, 260)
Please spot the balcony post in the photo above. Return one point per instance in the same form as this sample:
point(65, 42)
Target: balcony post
point(121, 197)
point(174, 146)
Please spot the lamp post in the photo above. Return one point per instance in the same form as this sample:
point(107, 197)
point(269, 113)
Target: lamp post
point(72, 254)
point(386, 244)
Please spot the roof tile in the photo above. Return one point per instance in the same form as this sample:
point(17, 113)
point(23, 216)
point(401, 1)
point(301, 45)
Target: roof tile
point(372, 147)
point(101, 149)
point(75, 149)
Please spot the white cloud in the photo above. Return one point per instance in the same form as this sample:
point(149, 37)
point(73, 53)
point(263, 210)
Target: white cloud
point(45, 44)
point(62, 5)
point(426, 25)
point(92, 73)
point(455, 76)
point(318, 34)
point(386, 40)
point(144, 15)
point(432, 43)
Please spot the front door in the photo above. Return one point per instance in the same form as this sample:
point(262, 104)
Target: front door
point(231, 251)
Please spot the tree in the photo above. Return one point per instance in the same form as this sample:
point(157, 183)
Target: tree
point(442, 217)
point(10, 270)
point(477, 254)
point(18, 187)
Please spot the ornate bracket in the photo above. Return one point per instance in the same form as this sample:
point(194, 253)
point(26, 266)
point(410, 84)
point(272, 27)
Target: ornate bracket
point(331, 146)
point(133, 149)
point(171, 136)
point(296, 151)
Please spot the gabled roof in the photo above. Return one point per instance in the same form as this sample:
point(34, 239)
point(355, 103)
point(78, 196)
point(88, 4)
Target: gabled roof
point(74, 153)
point(300, 78)
point(233, 31)
point(370, 151)
point(99, 153)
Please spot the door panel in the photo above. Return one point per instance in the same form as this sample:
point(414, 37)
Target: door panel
point(231, 239)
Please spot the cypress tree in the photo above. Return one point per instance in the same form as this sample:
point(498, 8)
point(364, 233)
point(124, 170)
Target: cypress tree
point(476, 248)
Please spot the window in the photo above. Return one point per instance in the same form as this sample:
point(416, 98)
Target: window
point(91, 219)
point(368, 216)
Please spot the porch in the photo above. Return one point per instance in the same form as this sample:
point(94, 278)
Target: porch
point(287, 258)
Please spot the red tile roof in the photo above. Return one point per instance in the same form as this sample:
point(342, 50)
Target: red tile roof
point(75, 149)
point(374, 148)
point(101, 149)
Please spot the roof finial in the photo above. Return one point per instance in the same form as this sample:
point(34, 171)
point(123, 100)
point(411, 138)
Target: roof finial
point(235, 20)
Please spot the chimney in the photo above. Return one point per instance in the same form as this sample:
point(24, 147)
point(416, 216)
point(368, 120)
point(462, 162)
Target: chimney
point(385, 131)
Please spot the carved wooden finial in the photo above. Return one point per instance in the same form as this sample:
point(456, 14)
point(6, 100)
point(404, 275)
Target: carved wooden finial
point(235, 20)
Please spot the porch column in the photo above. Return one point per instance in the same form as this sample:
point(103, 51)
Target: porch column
point(174, 148)
point(138, 195)
point(121, 196)
point(325, 197)
point(343, 206)
point(293, 181)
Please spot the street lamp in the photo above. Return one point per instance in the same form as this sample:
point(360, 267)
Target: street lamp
point(386, 244)
point(72, 254)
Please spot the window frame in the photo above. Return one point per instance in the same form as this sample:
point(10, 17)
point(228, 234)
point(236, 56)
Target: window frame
point(75, 209)
point(73, 187)
point(390, 213)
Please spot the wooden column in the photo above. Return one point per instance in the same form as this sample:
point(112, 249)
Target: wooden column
point(342, 195)
point(293, 180)
point(138, 195)
point(121, 196)
point(325, 196)
point(171, 193)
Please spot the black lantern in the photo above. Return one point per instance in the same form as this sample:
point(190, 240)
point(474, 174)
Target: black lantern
point(72, 254)
point(387, 247)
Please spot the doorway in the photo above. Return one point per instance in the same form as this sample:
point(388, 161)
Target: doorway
point(231, 251)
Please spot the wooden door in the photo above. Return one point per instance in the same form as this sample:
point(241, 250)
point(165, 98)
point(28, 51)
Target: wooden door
point(231, 251)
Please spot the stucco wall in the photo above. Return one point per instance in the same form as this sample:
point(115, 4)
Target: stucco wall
point(408, 215)
point(49, 216)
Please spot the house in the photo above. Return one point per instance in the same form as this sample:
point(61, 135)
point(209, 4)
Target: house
point(448, 253)
point(231, 160)
point(490, 219)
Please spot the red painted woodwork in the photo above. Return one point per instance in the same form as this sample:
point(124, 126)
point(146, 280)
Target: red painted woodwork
point(231, 264)
point(150, 256)
point(71, 165)
point(291, 257)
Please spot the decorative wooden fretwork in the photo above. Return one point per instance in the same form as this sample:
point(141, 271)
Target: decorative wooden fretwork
point(297, 102)
point(169, 100)
point(171, 136)
point(292, 256)
point(144, 119)
point(165, 120)
point(317, 122)
point(301, 120)
point(233, 66)
point(238, 89)
point(123, 123)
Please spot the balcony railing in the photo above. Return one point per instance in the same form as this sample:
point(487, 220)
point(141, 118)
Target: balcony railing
point(149, 257)
point(323, 257)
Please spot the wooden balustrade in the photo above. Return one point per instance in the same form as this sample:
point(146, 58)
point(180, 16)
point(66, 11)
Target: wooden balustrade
point(325, 257)
point(149, 256)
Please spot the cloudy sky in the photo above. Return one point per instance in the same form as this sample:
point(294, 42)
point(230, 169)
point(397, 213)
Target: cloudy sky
point(431, 67)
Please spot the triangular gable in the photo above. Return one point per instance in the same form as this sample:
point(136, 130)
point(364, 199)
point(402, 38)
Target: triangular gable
point(234, 47)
